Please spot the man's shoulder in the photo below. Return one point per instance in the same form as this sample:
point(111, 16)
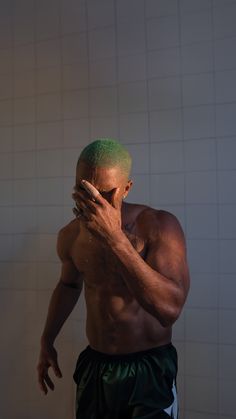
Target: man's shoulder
point(67, 234)
point(159, 222)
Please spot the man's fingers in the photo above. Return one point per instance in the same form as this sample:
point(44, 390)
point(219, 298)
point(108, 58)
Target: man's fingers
point(49, 381)
point(56, 370)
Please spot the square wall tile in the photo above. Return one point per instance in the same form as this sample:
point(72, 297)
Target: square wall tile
point(131, 68)
point(49, 219)
point(49, 135)
point(49, 191)
point(6, 135)
point(163, 32)
point(166, 189)
point(48, 53)
point(44, 165)
point(48, 80)
point(102, 43)
point(6, 112)
point(201, 187)
point(103, 101)
point(49, 107)
point(24, 110)
point(199, 121)
point(76, 132)
point(227, 227)
point(164, 93)
point(24, 137)
point(201, 325)
point(166, 157)
point(6, 60)
point(6, 192)
point(227, 181)
point(203, 255)
point(201, 359)
point(6, 86)
point(130, 10)
point(227, 291)
point(134, 128)
point(226, 397)
point(196, 27)
point(6, 247)
point(225, 87)
point(73, 15)
point(156, 8)
point(75, 104)
point(102, 72)
point(201, 221)
point(24, 219)
point(193, 6)
point(6, 220)
point(24, 84)
point(47, 19)
point(198, 89)
point(24, 164)
point(104, 127)
point(224, 59)
point(166, 125)
point(132, 97)
point(24, 58)
point(100, 14)
point(6, 165)
point(203, 291)
point(227, 256)
point(227, 327)
point(227, 366)
point(164, 62)
point(74, 48)
point(225, 119)
point(200, 154)
point(226, 149)
point(201, 394)
point(224, 21)
point(24, 192)
point(197, 58)
point(131, 38)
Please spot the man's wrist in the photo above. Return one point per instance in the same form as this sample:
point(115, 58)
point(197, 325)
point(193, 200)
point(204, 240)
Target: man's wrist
point(46, 340)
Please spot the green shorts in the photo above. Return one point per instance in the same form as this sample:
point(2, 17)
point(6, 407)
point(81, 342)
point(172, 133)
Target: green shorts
point(140, 385)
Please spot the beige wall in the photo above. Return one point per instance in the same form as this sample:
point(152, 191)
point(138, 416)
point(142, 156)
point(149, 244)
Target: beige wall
point(159, 75)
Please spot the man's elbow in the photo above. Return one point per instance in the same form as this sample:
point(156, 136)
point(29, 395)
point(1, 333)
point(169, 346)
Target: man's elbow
point(168, 317)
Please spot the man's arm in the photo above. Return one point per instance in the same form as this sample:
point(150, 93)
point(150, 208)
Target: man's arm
point(161, 282)
point(66, 293)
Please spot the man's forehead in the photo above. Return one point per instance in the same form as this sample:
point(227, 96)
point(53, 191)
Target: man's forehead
point(99, 186)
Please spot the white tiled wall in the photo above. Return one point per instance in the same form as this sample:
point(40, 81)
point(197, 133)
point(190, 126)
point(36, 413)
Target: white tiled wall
point(159, 75)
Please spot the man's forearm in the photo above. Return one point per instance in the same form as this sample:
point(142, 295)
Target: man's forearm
point(152, 290)
point(61, 304)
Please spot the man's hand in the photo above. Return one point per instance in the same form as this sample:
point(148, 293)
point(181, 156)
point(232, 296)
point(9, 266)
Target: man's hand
point(47, 358)
point(99, 216)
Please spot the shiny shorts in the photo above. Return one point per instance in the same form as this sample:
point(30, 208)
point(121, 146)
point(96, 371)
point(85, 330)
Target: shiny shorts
point(140, 385)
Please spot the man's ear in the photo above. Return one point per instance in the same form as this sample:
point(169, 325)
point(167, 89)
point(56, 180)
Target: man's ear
point(129, 184)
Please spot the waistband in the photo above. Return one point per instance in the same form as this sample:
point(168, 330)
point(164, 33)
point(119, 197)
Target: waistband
point(130, 355)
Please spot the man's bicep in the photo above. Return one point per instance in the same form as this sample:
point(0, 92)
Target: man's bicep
point(167, 253)
point(70, 275)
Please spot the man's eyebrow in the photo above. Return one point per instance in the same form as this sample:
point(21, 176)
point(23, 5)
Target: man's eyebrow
point(106, 190)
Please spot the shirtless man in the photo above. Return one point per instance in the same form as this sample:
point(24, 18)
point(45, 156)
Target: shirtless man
point(132, 261)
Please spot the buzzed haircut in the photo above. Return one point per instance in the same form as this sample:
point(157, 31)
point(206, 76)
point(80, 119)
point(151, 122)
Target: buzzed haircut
point(107, 152)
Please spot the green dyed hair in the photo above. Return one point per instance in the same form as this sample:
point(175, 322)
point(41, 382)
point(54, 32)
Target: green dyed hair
point(107, 152)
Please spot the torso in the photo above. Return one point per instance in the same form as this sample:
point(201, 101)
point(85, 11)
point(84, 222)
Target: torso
point(115, 322)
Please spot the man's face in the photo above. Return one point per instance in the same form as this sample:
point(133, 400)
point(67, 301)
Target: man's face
point(104, 179)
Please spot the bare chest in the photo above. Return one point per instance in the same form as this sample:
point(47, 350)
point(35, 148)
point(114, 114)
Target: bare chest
point(96, 261)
